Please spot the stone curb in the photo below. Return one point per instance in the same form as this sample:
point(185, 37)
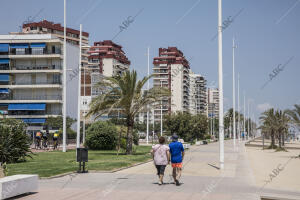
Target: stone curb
point(95, 171)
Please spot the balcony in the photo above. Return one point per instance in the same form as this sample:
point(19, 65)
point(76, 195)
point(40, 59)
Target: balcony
point(32, 52)
point(161, 77)
point(37, 67)
point(36, 83)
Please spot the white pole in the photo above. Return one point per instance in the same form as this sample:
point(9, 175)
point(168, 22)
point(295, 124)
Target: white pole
point(161, 113)
point(79, 91)
point(239, 117)
point(83, 128)
point(248, 132)
point(153, 125)
point(147, 138)
point(65, 82)
point(221, 120)
point(244, 114)
point(233, 92)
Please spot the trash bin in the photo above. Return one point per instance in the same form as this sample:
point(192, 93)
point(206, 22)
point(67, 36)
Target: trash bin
point(82, 157)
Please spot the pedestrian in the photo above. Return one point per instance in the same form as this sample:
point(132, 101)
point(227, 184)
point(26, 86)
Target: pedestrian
point(177, 155)
point(161, 156)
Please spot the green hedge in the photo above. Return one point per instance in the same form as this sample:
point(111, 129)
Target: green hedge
point(101, 135)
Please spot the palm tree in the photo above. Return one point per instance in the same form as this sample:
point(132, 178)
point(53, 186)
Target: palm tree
point(282, 126)
point(268, 125)
point(295, 115)
point(124, 92)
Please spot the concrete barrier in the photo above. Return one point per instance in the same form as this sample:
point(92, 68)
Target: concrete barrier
point(12, 186)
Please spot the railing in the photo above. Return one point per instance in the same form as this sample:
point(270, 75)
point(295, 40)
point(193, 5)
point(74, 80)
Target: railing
point(35, 83)
point(30, 51)
point(4, 66)
point(38, 67)
point(40, 97)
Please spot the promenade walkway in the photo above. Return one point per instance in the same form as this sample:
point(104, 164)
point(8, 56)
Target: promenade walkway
point(201, 180)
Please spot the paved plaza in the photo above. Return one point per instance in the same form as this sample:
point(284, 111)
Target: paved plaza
point(201, 179)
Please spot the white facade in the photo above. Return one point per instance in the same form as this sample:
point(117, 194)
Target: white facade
point(112, 67)
point(213, 102)
point(198, 96)
point(34, 70)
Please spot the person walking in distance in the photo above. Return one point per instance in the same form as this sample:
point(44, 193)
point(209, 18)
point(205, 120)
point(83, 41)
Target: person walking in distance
point(161, 156)
point(177, 155)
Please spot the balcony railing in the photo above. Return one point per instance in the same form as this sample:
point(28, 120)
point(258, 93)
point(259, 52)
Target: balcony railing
point(37, 97)
point(38, 67)
point(35, 83)
point(30, 51)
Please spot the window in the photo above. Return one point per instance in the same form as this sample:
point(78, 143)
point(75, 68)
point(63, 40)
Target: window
point(20, 51)
point(37, 51)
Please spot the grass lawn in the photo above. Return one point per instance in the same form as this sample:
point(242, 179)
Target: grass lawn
point(47, 164)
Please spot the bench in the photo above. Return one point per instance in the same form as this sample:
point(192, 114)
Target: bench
point(12, 186)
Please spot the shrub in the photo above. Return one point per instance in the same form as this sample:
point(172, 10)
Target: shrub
point(207, 137)
point(14, 143)
point(101, 135)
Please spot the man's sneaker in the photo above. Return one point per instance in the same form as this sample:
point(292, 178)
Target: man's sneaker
point(159, 182)
point(177, 183)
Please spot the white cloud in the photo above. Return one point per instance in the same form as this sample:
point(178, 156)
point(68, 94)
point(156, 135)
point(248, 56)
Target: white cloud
point(263, 107)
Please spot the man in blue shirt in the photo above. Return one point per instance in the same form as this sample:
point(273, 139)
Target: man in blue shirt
point(177, 155)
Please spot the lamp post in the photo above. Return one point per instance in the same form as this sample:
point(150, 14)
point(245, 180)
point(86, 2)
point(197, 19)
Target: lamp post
point(65, 81)
point(220, 66)
point(248, 132)
point(244, 114)
point(239, 115)
point(79, 91)
point(147, 138)
point(233, 91)
point(161, 113)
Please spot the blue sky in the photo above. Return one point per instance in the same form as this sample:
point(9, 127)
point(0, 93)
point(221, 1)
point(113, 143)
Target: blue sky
point(266, 31)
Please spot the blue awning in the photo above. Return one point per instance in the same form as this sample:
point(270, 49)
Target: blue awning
point(27, 106)
point(38, 45)
point(4, 47)
point(34, 121)
point(4, 90)
point(4, 61)
point(19, 46)
point(4, 77)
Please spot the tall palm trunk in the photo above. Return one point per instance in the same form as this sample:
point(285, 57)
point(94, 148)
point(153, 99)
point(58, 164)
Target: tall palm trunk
point(272, 140)
point(279, 139)
point(130, 124)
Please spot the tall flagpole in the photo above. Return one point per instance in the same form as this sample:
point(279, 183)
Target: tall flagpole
point(79, 91)
point(220, 63)
point(239, 117)
point(148, 105)
point(233, 92)
point(65, 82)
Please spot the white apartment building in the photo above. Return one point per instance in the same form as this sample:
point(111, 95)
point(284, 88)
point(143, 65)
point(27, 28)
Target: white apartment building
point(213, 102)
point(106, 58)
point(198, 96)
point(171, 70)
point(31, 72)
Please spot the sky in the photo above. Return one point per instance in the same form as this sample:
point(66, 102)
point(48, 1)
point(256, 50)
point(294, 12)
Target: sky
point(266, 34)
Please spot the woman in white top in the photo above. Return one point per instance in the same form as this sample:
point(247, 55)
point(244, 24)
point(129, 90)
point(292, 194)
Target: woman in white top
point(161, 156)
